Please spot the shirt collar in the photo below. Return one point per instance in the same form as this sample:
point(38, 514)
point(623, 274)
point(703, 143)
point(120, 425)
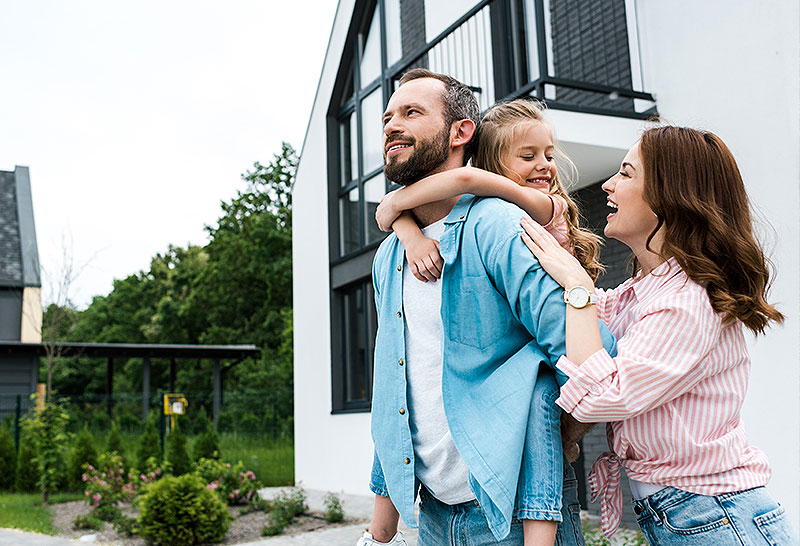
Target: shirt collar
point(461, 209)
point(642, 287)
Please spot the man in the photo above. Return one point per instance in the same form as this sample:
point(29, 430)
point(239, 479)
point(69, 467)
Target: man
point(456, 361)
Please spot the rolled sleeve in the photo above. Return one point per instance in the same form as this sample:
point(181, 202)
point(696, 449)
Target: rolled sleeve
point(590, 379)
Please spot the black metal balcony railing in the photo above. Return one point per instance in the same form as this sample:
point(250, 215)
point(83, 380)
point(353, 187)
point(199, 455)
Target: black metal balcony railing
point(506, 49)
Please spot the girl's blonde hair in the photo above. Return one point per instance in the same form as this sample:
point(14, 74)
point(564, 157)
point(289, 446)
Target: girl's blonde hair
point(499, 127)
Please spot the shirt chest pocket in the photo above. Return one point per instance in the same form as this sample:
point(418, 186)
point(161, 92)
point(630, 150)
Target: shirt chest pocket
point(478, 315)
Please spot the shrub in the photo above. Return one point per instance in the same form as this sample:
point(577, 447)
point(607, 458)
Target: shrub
point(248, 423)
point(8, 457)
point(285, 507)
point(233, 483)
point(108, 484)
point(107, 512)
point(100, 421)
point(276, 523)
point(126, 526)
point(47, 428)
point(114, 443)
point(199, 423)
point(207, 444)
point(334, 513)
point(180, 510)
point(149, 445)
point(26, 474)
point(177, 455)
point(87, 521)
point(83, 453)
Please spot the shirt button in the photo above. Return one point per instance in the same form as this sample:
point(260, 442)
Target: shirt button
point(399, 314)
point(402, 411)
point(399, 267)
point(725, 521)
point(407, 460)
point(400, 361)
point(594, 389)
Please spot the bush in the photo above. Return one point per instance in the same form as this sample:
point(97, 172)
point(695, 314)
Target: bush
point(285, 507)
point(149, 445)
point(233, 483)
point(47, 429)
point(207, 444)
point(114, 443)
point(83, 453)
point(108, 484)
point(26, 474)
point(177, 455)
point(334, 513)
point(180, 510)
point(199, 423)
point(129, 423)
point(8, 457)
point(87, 521)
point(107, 512)
point(126, 526)
point(100, 421)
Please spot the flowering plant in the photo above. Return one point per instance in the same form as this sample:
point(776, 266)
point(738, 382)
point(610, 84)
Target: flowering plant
point(232, 482)
point(109, 483)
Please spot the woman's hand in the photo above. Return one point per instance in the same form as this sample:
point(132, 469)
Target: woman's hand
point(560, 264)
point(386, 214)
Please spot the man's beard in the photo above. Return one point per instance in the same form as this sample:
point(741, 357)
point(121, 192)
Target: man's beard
point(427, 156)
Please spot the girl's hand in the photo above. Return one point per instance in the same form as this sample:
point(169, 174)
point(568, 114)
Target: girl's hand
point(385, 214)
point(424, 259)
point(560, 264)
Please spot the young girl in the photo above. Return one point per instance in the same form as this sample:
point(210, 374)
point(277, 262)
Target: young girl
point(515, 161)
point(673, 394)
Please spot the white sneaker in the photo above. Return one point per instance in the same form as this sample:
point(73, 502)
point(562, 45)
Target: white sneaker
point(367, 540)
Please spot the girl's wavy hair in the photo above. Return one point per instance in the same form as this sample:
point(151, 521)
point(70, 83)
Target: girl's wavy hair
point(500, 126)
point(693, 185)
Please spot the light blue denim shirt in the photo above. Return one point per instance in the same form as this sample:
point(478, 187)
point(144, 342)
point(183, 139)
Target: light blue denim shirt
point(502, 316)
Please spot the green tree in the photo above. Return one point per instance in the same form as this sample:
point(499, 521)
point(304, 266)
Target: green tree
point(114, 443)
point(83, 452)
point(8, 457)
point(27, 468)
point(177, 454)
point(207, 444)
point(149, 444)
point(47, 428)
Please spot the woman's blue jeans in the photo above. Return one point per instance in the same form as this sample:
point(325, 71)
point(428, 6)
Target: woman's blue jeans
point(673, 517)
point(465, 525)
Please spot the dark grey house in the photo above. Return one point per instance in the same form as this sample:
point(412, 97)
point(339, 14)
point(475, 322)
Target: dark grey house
point(20, 288)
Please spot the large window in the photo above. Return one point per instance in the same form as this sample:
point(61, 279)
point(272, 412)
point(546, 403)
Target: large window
point(502, 49)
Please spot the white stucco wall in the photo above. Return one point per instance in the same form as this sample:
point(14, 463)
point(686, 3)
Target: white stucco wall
point(734, 68)
point(332, 452)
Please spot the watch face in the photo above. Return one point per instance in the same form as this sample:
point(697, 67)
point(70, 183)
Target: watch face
point(578, 297)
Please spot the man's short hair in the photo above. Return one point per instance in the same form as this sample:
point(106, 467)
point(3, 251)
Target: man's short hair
point(459, 103)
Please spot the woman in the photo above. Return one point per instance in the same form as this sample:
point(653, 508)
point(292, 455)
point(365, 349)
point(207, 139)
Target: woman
point(674, 392)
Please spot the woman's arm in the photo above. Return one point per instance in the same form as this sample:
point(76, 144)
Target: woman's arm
point(582, 330)
point(454, 182)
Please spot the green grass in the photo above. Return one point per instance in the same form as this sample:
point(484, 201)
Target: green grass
point(25, 511)
point(271, 460)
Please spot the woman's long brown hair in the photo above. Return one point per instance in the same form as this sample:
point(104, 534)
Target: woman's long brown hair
point(500, 125)
point(693, 185)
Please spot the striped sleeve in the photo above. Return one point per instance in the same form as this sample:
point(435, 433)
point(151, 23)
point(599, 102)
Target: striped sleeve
point(657, 361)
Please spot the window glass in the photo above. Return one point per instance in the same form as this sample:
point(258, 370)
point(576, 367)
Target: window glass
point(348, 222)
point(394, 46)
point(355, 347)
point(371, 52)
point(440, 15)
point(374, 190)
point(349, 142)
point(372, 131)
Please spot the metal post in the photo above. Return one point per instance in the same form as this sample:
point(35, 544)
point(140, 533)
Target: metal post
point(217, 390)
point(16, 421)
point(145, 387)
point(162, 422)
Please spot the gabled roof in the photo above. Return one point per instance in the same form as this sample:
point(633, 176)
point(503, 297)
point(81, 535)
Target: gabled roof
point(19, 254)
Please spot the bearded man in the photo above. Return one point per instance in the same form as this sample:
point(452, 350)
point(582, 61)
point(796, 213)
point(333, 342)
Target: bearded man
point(456, 361)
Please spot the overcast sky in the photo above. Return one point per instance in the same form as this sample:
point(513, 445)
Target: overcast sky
point(136, 118)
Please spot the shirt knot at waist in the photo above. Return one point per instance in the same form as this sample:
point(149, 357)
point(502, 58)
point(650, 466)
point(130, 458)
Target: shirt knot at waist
point(604, 480)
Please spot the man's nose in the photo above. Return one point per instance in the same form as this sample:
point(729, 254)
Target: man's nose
point(391, 126)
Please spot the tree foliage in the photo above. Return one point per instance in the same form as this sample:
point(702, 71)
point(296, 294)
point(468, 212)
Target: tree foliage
point(237, 289)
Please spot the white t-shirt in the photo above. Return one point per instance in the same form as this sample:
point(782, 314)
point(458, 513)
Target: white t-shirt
point(438, 464)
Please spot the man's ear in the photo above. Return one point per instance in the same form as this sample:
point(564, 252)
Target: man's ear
point(462, 132)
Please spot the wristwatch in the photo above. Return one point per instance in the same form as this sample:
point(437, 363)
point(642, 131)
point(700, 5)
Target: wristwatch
point(579, 297)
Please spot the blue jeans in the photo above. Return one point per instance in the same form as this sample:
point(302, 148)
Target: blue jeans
point(465, 525)
point(673, 517)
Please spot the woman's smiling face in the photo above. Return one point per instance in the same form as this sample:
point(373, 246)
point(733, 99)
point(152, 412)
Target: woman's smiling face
point(632, 220)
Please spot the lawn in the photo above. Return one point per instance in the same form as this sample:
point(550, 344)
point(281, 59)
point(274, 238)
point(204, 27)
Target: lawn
point(24, 511)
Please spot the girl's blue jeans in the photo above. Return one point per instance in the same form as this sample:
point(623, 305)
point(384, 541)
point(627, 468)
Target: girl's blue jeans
point(673, 517)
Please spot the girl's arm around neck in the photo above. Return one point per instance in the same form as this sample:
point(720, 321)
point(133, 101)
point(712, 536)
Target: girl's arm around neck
point(478, 182)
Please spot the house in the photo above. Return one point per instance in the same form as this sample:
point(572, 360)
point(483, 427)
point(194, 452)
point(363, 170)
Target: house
point(603, 68)
point(20, 290)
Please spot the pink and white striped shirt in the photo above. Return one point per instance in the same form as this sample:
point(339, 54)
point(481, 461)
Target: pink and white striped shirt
point(672, 396)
